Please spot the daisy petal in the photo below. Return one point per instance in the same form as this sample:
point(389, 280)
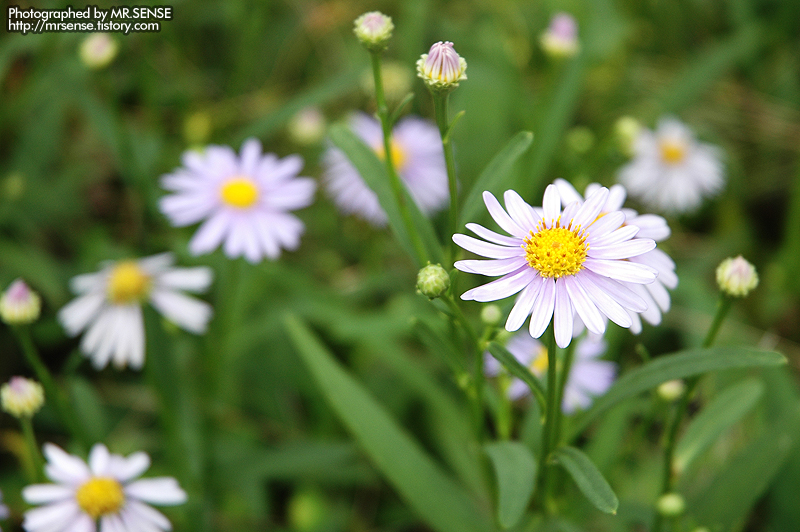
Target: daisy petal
point(622, 270)
point(543, 308)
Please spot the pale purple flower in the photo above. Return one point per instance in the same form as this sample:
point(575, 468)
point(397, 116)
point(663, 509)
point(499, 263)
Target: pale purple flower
point(417, 154)
point(109, 306)
point(243, 201)
point(560, 262)
point(442, 67)
point(588, 377)
point(103, 494)
point(561, 37)
point(671, 171)
point(650, 226)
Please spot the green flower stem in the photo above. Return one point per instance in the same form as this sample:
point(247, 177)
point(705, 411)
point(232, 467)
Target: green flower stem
point(569, 355)
point(504, 410)
point(52, 391)
point(668, 474)
point(33, 449)
point(440, 103)
point(478, 379)
point(394, 178)
point(550, 422)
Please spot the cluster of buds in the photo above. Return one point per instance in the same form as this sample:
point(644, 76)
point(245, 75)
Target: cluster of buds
point(442, 68)
point(736, 277)
point(19, 305)
point(21, 397)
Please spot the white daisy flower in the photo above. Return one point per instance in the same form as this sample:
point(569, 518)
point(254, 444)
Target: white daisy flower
point(650, 226)
point(244, 200)
point(110, 306)
point(105, 490)
point(562, 262)
point(588, 377)
point(671, 171)
point(417, 156)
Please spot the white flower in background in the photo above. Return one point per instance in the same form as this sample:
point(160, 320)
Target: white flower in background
point(442, 68)
point(243, 201)
point(671, 171)
point(736, 277)
point(21, 397)
point(588, 377)
point(417, 154)
point(19, 305)
point(562, 262)
point(105, 490)
point(561, 37)
point(98, 50)
point(109, 306)
point(650, 226)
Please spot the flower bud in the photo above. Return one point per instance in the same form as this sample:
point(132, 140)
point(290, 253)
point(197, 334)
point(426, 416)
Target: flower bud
point(627, 130)
point(98, 50)
point(197, 128)
point(561, 38)
point(21, 397)
point(307, 127)
point(374, 29)
point(670, 391)
point(19, 305)
point(736, 277)
point(442, 68)
point(491, 314)
point(670, 505)
point(433, 281)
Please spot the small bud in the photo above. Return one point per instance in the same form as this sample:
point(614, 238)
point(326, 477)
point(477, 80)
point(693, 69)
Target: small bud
point(433, 281)
point(98, 50)
point(670, 391)
point(442, 68)
point(374, 29)
point(627, 130)
point(491, 314)
point(21, 397)
point(307, 127)
point(197, 128)
point(670, 505)
point(561, 38)
point(736, 277)
point(19, 305)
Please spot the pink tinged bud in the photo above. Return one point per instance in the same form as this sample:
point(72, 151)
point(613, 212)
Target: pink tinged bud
point(373, 29)
point(736, 277)
point(564, 27)
point(561, 37)
point(442, 67)
point(19, 304)
point(21, 397)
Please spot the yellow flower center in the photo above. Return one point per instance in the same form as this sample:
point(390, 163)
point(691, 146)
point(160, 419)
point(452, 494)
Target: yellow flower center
point(128, 283)
point(539, 365)
point(672, 151)
point(239, 192)
point(398, 154)
point(100, 496)
point(557, 251)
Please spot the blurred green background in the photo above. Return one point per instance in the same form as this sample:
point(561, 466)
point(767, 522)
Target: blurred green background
point(81, 151)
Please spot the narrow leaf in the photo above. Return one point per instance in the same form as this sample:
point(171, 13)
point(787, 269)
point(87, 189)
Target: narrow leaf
point(515, 470)
point(675, 366)
point(514, 367)
point(433, 495)
point(722, 413)
point(588, 479)
point(495, 177)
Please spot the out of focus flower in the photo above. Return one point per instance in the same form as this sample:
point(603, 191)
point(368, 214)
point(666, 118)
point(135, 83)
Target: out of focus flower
point(243, 201)
point(373, 29)
point(307, 126)
point(627, 129)
point(103, 494)
point(671, 171)
point(562, 262)
point(22, 397)
point(442, 68)
point(19, 305)
point(588, 377)
point(736, 277)
point(649, 226)
point(433, 281)
point(561, 37)
point(416, 152)
point(98, 50)
point(109, 306)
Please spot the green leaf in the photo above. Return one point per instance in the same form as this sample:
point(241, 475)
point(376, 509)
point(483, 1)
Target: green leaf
point(675, 366)
point(373, 171)
point(721, 414)
point(515, 470)
point(588, 478)
point(433, 495)
point(514, 367)
point(494, 177)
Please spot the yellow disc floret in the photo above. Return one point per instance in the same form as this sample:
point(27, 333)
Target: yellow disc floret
point(100, 496)
point(556, 251)
point(398, 154)
point(672, 152)
point(128, 283)
point(239, 192)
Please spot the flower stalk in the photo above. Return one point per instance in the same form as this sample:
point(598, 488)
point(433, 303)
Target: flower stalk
point(440, 102)
point(550, 422)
